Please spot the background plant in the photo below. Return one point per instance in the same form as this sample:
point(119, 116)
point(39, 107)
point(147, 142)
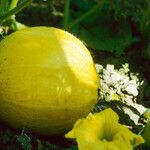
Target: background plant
point(8, 9)
point(114, 26)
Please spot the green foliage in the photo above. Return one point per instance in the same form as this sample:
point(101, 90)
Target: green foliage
point(132, 9)
point(66, 12)
point(147, 51)
point(42, 13)
point(11, 140)
point(8, 9)
point(24, 140)
point(106, 24)
point(102, 24)
point(145, 22)
point(4, 6)
point(102, 35)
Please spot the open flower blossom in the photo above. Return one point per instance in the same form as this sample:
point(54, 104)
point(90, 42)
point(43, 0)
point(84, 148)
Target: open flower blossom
point(101, 131)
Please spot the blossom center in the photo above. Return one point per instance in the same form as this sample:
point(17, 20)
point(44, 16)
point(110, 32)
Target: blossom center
point(107, 136)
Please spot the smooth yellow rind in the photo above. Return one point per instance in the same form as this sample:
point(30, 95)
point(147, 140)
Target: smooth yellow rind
point(47, 80)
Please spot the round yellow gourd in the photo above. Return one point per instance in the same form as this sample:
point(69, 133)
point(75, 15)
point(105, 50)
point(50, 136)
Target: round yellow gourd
point(47, 80)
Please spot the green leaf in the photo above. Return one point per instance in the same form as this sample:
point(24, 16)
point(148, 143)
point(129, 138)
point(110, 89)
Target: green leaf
point(104, 37)
point(4, 5)
point(83, 5)
point(24, 140)
point(145, 22)
point(13, 11)
point(147, 51)
point(101, 31)
point(109, 27)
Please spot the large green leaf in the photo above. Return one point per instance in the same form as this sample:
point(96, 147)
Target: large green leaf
point(101, 32)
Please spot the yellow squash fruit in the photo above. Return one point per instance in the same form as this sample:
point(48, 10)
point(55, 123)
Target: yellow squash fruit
point(47, 80)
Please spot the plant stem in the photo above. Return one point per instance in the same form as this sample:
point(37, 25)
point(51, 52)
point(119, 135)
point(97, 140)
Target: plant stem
point(87, 14)
point(13, 4)
point(66, 13)
point(14, 10)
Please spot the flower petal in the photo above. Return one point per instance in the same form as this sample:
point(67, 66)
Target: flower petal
point(102, 131)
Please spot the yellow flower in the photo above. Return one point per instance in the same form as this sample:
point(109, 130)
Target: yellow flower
point(102, 131)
